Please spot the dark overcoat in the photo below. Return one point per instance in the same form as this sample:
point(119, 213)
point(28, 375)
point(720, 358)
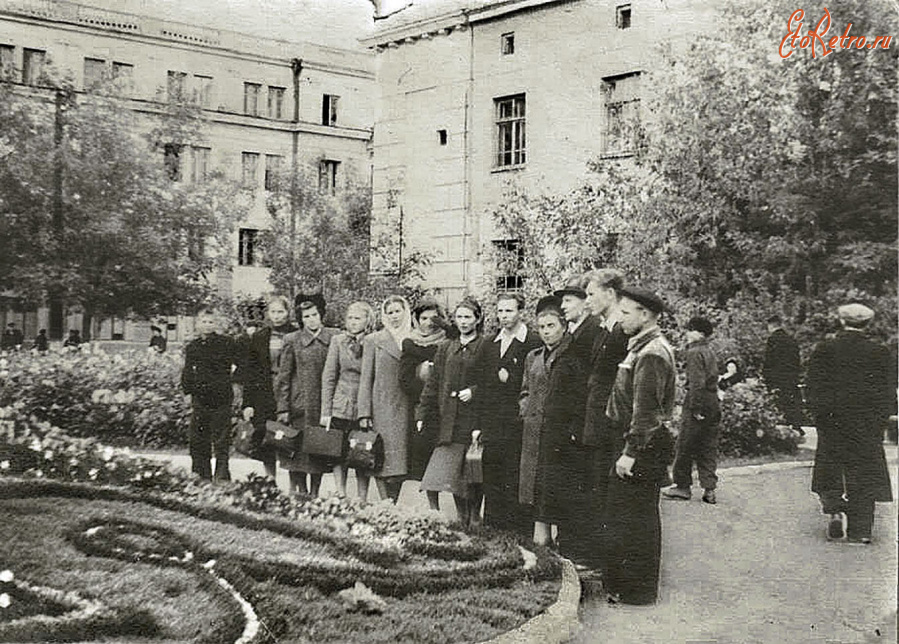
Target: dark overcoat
point(852, 392)
point(412, 380)
point(781, 366)
point(534, 388)
point(260, 374)
point(439, 404)
point(609, 349)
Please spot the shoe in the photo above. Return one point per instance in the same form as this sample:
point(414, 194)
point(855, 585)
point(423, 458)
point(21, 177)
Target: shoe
point(678, 493)
point(709, 497)
point(835, 527)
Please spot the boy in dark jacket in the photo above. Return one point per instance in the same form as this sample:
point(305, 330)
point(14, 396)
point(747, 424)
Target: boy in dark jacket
point(698, 438)
point(211, 380)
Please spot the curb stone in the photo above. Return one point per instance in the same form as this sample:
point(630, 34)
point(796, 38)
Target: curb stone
point(558, 623)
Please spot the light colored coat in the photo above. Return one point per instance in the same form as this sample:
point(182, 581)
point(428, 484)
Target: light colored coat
point(382, 399)
point(340, 379)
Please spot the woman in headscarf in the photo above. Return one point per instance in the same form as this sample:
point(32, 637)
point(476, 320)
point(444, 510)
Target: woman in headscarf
point(264, 348)
point(299, 387)
point(382, 404)
point(340, 384)
point(416, 365)
point(446, 404)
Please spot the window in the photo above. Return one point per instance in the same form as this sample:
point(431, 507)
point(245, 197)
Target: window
point(251, 98)
point(199, 164)
point(509, 264)
point(248, 247)
point(623, 16)
point(441, 136)
point(32, 65)
point(272, 166)
point(7, 61)
point(123, 76)
point(510, 131)
point(276, 102)
point(327, 176)
point(329, 109)
point(622, 127)
point(249, 162)
point(175, 86)
point(94, 71)
point(203, 90)
point(173, 161)
point(507, 44)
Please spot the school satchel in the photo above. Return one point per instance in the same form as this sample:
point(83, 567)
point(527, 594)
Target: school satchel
point(365, 450)
point(285, 439)
point(473, 471)
point(246, 441)
point(324, 441)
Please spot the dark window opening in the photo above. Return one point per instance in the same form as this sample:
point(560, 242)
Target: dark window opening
point(329, 109)
point(509, 264)
point(441, 134)
point(623, 16)
point(173, 161)
point(248, 247)
point(507, 44)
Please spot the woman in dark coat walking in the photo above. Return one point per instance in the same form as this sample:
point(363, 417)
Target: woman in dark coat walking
point(340, 384)
point(299, 388)
point(416, 367)
point(446, 403)
point(263, 357)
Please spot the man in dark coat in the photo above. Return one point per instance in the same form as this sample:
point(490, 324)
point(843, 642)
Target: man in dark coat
point(852, 393)
point(640, 406)
point(780, 371)
point(498, 371)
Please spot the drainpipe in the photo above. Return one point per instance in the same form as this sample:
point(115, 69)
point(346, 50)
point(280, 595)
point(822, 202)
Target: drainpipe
point(467, 214)
point(296, 65)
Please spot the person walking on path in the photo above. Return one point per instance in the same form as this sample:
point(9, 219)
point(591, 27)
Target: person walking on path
point(299, 388)
point(499, 372)
point(264, 349)
point(698, 438)
point(382, 405)
point(780, 371)
point(447, 403)
point(340, 385)
point(212, 380)
point(640, 406)
point(852, 393)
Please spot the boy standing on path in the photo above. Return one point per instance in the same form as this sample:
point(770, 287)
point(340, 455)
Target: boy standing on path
point(211, 365)
point(698, 438)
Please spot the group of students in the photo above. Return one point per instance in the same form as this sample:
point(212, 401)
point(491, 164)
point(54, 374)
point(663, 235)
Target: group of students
point(539, 403)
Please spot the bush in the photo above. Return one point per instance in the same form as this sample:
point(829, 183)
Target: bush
point(123, 399)
point(751, 425)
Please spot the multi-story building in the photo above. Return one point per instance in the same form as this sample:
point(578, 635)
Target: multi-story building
point(267, 103)
point(475, 94)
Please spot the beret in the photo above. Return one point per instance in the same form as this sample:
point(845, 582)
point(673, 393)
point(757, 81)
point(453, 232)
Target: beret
point(855, 313)
point(549, 302)
point(644, 297)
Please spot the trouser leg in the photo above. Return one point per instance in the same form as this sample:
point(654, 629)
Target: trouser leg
point(682, 470)
point(200, 441)
point(706, 454)
point(220, 421)
point(859, 508)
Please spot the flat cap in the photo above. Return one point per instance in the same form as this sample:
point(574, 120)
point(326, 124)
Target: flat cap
point(576, 286)
point(644, 297)
point(855, 314)
point(553, 302)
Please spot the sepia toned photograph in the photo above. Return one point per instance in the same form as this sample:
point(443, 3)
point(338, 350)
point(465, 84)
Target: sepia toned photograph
point(449, 321)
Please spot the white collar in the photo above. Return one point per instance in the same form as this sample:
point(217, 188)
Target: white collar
point(520, 333)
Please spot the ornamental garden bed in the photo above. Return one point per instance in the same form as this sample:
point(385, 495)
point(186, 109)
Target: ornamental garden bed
point(101, 545)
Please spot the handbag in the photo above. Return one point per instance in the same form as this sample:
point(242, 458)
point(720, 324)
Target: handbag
point(473, 471)
point(284, 438)
point(324, 441)
point(365, 450)
point(246, 441)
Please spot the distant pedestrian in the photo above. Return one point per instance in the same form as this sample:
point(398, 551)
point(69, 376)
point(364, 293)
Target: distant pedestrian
point(158, 343)
point(852, 391)
point(733, 374)
point(73, 341)
point(640, 406)
point(697, 441)
point(780, 371)
point(41, 343)
point(211, 379)
point(12, 337)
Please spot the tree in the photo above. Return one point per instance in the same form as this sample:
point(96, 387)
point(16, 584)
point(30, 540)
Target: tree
point(320, 242)
point(97, 214)
point(761, 185)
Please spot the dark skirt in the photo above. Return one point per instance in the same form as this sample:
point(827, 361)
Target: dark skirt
point(445, 470)
point(421, 446)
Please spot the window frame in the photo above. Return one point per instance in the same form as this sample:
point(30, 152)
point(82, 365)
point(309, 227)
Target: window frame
point(174, 161)
point(272, 169)
point(624, 16)
point(199, 163)
point(31, 73)
point(251, 90)
point(507, 44)
point(277, 93)
point(620, 143)
point(515, 155)
point(507, 281)
point(247, 247)
point(249, 180)
point(327, 176)
point(203, 90)
point(330, 103)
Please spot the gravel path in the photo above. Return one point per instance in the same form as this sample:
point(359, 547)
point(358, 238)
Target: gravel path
point(757, 568)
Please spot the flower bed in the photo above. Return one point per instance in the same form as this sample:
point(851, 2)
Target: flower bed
point(319, 548)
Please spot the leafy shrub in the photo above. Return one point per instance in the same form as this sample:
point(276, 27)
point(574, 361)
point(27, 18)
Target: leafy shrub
point(751, 425)
point(123, 399)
